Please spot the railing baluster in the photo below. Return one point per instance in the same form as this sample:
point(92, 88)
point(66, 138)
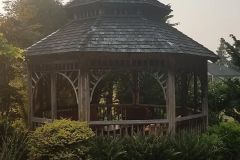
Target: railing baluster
point(126, 131)
point(114, 130)
point(108, 126)
point(155, 129)
point(102, 132)
point(132, 130)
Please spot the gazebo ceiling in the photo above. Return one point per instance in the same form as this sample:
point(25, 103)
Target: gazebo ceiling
point(118, 33)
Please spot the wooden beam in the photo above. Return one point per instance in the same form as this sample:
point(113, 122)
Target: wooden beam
point(30, 94)
point(41, 120)
point(195, 116)
point(204, 86)
point(80, 91)
point(83, 96)
point(171, 104)
point(53, 96)
point(129, 122)
point(195, 76)
point(87, 96)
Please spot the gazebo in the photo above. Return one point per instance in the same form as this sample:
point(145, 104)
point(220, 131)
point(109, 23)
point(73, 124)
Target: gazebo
point(124, 45)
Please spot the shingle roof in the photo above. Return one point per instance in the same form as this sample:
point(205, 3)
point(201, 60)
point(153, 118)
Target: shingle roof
point(222, 71)
point(86, 2)
point(119, 34)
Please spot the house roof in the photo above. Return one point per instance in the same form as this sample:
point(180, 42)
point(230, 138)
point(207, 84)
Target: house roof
point(122, 34)
point(222, 71)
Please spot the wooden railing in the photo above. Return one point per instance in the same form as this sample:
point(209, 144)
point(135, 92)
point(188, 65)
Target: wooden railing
point(129, 127)
point(37, 122)
point(193, 123)
point(127, 112)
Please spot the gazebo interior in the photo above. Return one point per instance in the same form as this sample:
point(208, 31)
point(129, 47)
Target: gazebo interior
point(117, 66)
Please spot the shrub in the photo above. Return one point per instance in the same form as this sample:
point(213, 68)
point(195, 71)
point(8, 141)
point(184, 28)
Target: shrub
point(13, 144)
point(19, 125)
point(131, 148)
point(62, 139)
point(196, 147)
point(104, 148)
point(230, 135)
point(148, 148)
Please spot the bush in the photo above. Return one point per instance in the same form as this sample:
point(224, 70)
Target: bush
point(62, 139)
point(19, 125)
point(230, 135)
point(105, 148)
point(148, 148)
point(131, 148)
point(182, 147)
point(197, 147)
point(13, 144)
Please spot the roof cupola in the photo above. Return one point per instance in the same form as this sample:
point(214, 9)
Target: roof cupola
point(151, 9)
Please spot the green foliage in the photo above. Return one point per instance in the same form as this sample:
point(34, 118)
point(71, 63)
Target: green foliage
point(181, 147)
point(196, 147)
point(131, 148)
point(14, 147)
point(62, 139)
point(229, 54)
point(230, 136)
point(19, 125)
point(148, 148)
point(233, 50)
point(11, 65)
point(224, 97)
point(27, 21)
point(13, 142)
point(107, 149)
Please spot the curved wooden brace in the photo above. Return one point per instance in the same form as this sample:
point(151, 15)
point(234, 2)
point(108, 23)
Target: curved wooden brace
point(98, 80)
point(36, 79)
point(161, 81)
point(72, 84)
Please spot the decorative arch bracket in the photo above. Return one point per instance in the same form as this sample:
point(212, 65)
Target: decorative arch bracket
point(161, 78)
point(72, 77)
point(96, 76)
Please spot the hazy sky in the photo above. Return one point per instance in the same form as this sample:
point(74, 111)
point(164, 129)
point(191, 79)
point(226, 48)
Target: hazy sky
point(205, 20)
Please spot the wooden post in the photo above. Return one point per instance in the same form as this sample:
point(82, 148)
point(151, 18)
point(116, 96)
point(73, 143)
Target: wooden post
point(53, 96)
point(135, 88)
point(204, 86)
point(171, 104)
point(84, 96)
point(195, 90)
point(30, 93)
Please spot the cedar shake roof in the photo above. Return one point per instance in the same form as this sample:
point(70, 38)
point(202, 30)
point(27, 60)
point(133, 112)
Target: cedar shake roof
point(121, 33)
point(87, 2)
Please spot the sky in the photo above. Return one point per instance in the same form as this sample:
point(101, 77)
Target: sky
point(206, 21)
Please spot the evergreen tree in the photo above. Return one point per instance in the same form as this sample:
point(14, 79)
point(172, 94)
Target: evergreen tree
point(230, 92)
point(234, 51)
point(223, 56)
point(11, 60)
point(27, 21)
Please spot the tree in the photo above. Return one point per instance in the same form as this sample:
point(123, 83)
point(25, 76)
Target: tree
point(167, 18)
point(233, 50)
point(224, 95)
point(233, 108)
point(27, 21)
point(11, 60)
point(222, 53)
